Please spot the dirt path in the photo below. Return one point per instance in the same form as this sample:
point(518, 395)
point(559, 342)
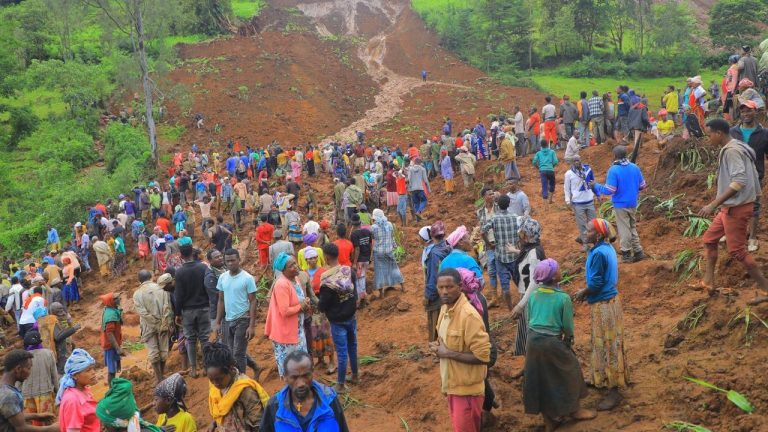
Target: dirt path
point(394, 86)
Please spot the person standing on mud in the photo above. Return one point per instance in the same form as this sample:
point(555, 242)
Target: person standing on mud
point(753, 134)
point(433, 254)
point(738, 186)
point(579, 196)
point(236, 308)
point(463, 348)
point(624, 183)
point(192, 304)
point(418, 183)
point(505, 239)
point(156, 321)
point(608, 368)
point(424, 75)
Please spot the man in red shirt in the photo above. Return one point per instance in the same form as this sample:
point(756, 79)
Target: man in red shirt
point(345, 246)
point(264, 233)
point(413, 152)
point(163, 223)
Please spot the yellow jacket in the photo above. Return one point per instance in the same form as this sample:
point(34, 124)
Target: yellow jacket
point(461, 328)
point(507, 150)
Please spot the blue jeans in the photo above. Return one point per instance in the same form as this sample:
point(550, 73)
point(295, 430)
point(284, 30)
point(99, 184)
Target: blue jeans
point(505, 274)
point(345, 339)
point(547, 183)
point(490, 263)
point(419, 201)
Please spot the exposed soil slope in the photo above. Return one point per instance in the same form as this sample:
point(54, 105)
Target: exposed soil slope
point(336, 84)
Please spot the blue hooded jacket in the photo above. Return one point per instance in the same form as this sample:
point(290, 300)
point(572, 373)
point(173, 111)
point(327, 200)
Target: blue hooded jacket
point(323, 418)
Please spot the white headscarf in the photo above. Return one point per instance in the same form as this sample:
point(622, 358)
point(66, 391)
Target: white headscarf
point(379, 216)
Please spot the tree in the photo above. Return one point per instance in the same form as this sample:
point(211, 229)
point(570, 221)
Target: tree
point(620, 18)
point(734, 22)
point(589, 19)
point(507, 27)
point(673, 23)
point(642, 14)
point(128, 17)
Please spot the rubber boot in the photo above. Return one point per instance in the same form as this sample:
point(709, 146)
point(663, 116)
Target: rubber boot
point(492, 293)
point(508, 300)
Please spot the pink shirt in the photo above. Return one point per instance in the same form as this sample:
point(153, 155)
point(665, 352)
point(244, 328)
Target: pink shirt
point(78, 411)
point(282, 324)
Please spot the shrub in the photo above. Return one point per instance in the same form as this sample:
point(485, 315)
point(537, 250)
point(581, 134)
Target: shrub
point(591, 67)
point(62, 141)
point(124, 142)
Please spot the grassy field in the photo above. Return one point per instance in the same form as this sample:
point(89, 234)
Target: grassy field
point(652, 87)
point(43, 102)
point(246, 8)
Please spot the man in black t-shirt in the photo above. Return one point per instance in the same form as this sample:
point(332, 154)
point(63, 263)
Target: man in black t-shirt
point(361, 239)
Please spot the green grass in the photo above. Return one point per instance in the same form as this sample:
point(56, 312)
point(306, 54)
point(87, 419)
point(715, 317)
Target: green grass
point(246, 8)
point(42, 101)
point(186, 39)
point(558, 85)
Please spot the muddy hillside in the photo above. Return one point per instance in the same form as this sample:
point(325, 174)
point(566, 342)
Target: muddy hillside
point(319, 70)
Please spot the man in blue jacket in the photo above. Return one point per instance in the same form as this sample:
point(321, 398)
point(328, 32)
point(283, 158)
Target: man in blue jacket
point(624, 183)
point(304, 404)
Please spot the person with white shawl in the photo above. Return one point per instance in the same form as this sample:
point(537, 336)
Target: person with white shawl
point(387, 272)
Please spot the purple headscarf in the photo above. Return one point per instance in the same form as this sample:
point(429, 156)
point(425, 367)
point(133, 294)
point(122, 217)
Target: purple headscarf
point(545, 271)
point(470, 285)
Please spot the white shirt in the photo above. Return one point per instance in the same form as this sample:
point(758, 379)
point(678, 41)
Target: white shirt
point(548, 112)
point(572, 148)
point(27, 316)
point(576, 189)
point(312, 227)
point(519, 123)
point(14, 298)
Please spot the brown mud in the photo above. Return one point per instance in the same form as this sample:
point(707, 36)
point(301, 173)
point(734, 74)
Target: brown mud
point(304, 88)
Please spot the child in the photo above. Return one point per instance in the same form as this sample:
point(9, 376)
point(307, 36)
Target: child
point(169, 404)
point(264, 234)
point(446, 170)
point(111, 333)
point(546, 160)
point(664, 128)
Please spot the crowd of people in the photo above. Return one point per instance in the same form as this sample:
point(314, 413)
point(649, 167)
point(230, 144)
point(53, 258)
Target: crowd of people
point(193, 292)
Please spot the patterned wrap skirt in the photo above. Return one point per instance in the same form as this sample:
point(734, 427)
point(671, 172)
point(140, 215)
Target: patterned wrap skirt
point(608, 367)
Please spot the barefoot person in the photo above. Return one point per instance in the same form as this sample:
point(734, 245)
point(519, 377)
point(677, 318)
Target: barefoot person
point(464, 349)
point(737, 187)
point(608, 368)
point(553, 383)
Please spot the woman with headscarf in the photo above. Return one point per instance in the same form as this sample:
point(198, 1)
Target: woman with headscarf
point(697, 99)
point(179, 218)
point(172, 252)
point(471, 286)
point(553, 384)
point(103, 256)
point(301, 258)
point(39, 390)
point(386, 271)
point(529, 256)
point(293, 224)
point(459, 256)
point(608, 368)
point(77, 408)
point(169, 404)
point(285, 317)
point(118, 410)
point(316, 324)
point(236, 402)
